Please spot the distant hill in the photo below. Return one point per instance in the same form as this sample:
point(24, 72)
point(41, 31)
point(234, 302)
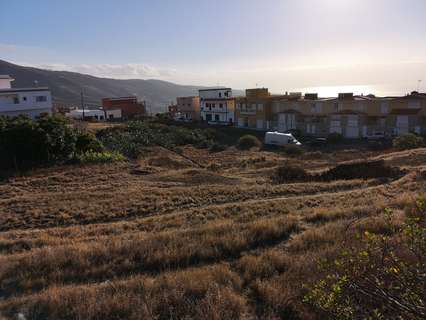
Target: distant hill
point(66, 86)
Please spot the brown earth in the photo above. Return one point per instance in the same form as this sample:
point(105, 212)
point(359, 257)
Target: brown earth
point(199, 236)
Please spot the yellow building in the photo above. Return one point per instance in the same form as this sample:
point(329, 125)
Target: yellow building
point(253, 111)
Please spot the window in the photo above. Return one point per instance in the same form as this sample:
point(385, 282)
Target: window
point(41, 99)
point(16, 100)
point(384, 107)
point(260, 107)
point(216, 118)
point(221, 105)
point(220, 94)
point(24, 98)
point(413, 104)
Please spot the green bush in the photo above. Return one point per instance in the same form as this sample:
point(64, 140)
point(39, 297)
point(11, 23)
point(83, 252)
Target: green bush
point(217, 147)
point(86, 142)
point(334, 138)
point(408, 141)
point(100, 157)
point(132, 140)
point(380, 276)
point(248, 141)
point(25, 143)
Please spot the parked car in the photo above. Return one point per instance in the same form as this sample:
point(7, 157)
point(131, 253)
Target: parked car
point(280, 139)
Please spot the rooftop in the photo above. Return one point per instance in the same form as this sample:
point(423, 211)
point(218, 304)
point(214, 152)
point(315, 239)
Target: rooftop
point(24, 89)
point(5, 76)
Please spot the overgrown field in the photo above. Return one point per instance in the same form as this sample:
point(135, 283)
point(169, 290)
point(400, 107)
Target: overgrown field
point(192, 234)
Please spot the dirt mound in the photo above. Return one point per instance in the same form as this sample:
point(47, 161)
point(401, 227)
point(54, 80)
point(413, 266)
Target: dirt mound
point(169, 162)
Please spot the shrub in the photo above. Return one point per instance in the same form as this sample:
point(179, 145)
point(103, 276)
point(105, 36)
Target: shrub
point(217, 147)
point(132, 140)
point(334, 138)
point(359, 170)
point(381, 278)
point(25, 143)
point(408, 141)
point(100, 157)
point(87, 142)
point(248, 141)
point(290, 173)
point(293, 150)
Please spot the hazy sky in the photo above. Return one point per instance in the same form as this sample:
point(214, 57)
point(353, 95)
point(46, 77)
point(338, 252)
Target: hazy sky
point(370, 45)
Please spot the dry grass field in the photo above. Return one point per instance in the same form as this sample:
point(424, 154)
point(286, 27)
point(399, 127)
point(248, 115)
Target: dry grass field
point(199, 236)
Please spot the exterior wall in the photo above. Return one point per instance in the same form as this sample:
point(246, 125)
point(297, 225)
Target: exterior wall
point(217, 106)
point(5, 83)
point(31, 102)
point(129, 106)
point(189, 108)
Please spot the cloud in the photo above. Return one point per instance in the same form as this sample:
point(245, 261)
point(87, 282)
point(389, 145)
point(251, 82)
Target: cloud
point(116, 71)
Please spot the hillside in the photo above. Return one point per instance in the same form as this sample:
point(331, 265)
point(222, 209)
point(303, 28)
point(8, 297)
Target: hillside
point(66, 86)
point(162, 237)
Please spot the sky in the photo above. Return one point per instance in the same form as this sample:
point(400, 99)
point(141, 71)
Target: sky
point(327, 46)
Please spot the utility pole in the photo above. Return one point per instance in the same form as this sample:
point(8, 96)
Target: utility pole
point(82, 102)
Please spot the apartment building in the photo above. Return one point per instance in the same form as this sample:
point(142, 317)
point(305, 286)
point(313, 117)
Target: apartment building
point(217, 106)
point(188, 108)
point(32, 102)
point(254, 111)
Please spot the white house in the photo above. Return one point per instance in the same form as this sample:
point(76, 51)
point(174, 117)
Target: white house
point(217, 106)
point(32, 102)
point(98, 114)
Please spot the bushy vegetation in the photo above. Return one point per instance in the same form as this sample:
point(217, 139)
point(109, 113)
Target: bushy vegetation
point(100, 157)
point(345, 171)
point(360, 170)
point(408, 141)
point(137, 135)
point(248, 141)
point(217, 147)
point(290, 173)
point(26, 143)
point(382, 278)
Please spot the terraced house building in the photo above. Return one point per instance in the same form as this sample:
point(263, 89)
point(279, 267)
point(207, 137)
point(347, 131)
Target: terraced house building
point(350, 115)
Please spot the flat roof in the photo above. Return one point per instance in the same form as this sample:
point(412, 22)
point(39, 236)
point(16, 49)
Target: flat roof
point(215, 89)
point(6, 76)
point(24, 89)
point(122, 98)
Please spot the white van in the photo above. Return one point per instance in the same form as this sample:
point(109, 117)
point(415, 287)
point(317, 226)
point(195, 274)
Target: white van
point(280, 139)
